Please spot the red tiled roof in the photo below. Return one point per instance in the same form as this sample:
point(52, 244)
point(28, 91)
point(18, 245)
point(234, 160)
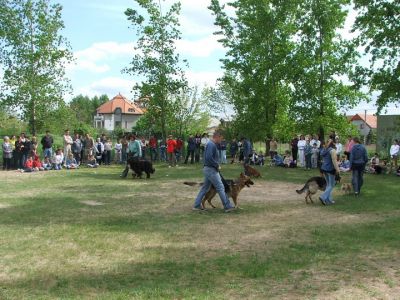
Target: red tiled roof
point(371, 120)
point(120, 101)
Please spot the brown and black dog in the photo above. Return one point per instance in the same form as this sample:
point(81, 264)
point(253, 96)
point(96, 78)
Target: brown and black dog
point(252, 172)
point(234, 189)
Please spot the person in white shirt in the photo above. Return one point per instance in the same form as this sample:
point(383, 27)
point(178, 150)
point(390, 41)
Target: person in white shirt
point(301, 144)
point(394, 152)
point(118, 152)
point(67, 144)
point(339, 148)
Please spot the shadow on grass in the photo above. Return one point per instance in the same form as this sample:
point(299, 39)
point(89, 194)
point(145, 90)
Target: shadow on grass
point(168, 277)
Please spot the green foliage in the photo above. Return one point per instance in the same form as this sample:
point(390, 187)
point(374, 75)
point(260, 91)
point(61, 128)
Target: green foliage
point(378, 26)
point(10, 125)
point(321, 60)
point(156, 58)
point(259, 42)
point(84, 107)
point(33, 54)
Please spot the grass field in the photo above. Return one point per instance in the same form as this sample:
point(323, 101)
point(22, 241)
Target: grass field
point(88, 234)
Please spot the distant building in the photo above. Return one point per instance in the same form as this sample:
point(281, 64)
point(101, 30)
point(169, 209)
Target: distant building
point(366, 125)
point(118, 112)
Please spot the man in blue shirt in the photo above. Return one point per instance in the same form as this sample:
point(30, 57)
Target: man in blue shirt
point(211, 175)
point(358, 161)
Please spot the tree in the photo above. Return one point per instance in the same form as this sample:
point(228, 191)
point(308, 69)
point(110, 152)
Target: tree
point(378, 26)
point(259, 43)
point(156, 58)
point(321, 63)
point(85, 107)
point(33, 54)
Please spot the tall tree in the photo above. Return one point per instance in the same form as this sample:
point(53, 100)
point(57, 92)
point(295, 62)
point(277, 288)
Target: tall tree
point(156, 58)
point(258, 42)
point(85, 107)
point(33, 54)
point(378, 26)
point(321, 64)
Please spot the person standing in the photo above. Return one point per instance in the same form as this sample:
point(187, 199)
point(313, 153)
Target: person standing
point(77, 148)
point(273, 148)
point(358, 161)
point(124, 151)
point(294, 147)
point(89, 146)
point(301, 144)
point(348, 146)
point(339, 148)
point(191, 147)
point(67, 139)
point(233, 149)
point(212, 176)
point(223, 146)
point(330, 169)
point(394, 152)
point(308, 155)
point(13, 139)
point(153, 148)
point(198, 152)
point(163, 150)
point(247, 150)
point(134, 153)
point(203, 142)
point(47, 144)
point(99, 149)
point(179, 149)
point(171, 148)
point(7, 153)
point(118, 152)
point(108, 147)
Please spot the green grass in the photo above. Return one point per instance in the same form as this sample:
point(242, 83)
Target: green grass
point(145, 243)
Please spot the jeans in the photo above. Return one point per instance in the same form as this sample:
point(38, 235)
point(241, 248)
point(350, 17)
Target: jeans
point(191, 154)
point(357, 178)
point(48, 152)
point(212, 177)
point(172, 159)
point(7, 163)
point(153, 154)
point(77, 156)
point(178, 155)
point(223, 156)
point(308, 161)
point(123, 155)
point(330, 184)
point(163, 155)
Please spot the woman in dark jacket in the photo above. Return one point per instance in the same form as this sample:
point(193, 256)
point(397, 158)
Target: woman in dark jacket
point(330, 169)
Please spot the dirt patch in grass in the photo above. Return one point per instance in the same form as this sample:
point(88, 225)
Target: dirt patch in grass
point(4, 205)
point(92, 203)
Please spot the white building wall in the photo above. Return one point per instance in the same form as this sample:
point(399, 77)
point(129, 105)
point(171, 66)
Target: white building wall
point(128, 121)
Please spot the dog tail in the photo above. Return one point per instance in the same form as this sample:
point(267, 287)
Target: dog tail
point(302, 190)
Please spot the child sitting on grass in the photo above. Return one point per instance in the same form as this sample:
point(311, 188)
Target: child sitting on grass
point(28, 167)
point(92, 162)
point(58, 159)
point(278, 160)
point(344, 165)
point(71, 163)
point(37, 164)
point(288, 161)
point(47, 165)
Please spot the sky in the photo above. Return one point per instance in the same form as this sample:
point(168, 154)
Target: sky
point(102, 43)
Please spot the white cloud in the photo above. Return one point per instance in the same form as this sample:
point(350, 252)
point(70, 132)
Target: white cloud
point(203, 78)
point(110, 86)
point(199, 48)
point(93, 59)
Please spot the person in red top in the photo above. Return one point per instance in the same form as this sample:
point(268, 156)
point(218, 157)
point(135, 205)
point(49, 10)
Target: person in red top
point(153, 148)
point(28, 167)
point(179, 148)
point(171, 148)
point(37, 164)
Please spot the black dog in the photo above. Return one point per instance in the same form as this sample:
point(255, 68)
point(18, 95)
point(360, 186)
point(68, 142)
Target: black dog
point(138, 167)
point(141, 166)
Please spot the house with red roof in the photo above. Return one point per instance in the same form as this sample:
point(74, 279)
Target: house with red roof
point(119, 112)
point(365, 123)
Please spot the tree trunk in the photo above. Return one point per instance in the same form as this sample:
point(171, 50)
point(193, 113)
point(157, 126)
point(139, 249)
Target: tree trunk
point(321, 85)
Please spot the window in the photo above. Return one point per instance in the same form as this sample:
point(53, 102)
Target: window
point(131, 110)
point(117, 124)
point(126, 124)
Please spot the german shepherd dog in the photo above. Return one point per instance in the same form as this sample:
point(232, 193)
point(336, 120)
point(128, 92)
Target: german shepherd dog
point(250, 171)
point(313, 185)
point(232, 189)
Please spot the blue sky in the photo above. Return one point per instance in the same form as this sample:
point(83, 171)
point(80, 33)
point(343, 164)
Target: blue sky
point(102, 43)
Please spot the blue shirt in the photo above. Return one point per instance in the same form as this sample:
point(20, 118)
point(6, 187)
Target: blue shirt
point(327, 164)
point(211, 156)
point(358, 155)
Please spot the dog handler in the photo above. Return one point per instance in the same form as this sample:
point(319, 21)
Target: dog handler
point(330, 169)
point(212, 176)
point(134, 152)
